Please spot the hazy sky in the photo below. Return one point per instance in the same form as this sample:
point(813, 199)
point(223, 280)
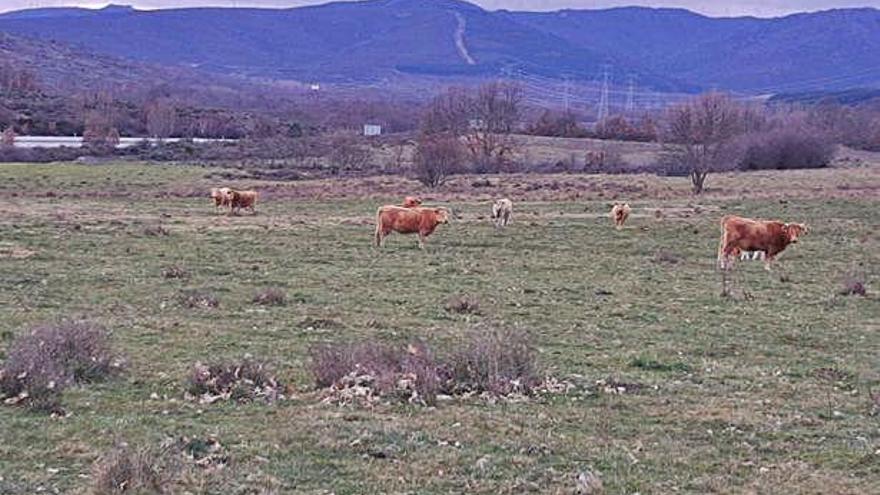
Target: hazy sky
point(762, 8)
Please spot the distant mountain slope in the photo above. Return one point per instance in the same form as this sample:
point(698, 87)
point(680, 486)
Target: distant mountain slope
point(831, 49)
point(380, 40)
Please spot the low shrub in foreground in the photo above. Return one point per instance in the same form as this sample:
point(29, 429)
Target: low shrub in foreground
point(242, 381)
point(380, 369)
point(198, 299)
point(495, 362)
point(270, 297)
point(499, 362)
point(40, 364)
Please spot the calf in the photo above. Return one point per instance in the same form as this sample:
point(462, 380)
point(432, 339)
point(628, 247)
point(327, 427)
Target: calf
point(619, 213)
point(421, 221)
point(411, 202)
point(502, 210)
point(220, 196)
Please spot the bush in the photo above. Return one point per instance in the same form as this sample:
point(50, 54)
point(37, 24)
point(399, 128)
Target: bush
point(463, 305)
point(494, 361)
point(42, 363)
point(786, 149)
point(176, 272)
point(412, 372)
point(270, 297)
point(129, 470)
point(195, 299)
point(854, 285)
point(243, 381)
point(437, 157)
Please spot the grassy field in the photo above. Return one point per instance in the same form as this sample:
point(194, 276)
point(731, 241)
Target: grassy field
point(769, 394)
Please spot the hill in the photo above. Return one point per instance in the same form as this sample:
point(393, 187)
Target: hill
point(397, 42)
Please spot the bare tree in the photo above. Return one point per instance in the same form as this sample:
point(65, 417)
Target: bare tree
point(161, 118)
point(7, 139)
point(438, 156)
point(700, 135)
point(349, 154)
point(485, 118)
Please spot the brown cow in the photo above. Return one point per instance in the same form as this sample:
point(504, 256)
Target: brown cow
point(402, 220)
point(740, 234)
point(411, 202)
point(220, 195)
point(242, 199)
point(619, 213)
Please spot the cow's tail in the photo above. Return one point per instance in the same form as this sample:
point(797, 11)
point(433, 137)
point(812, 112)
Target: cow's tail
point(378, 236)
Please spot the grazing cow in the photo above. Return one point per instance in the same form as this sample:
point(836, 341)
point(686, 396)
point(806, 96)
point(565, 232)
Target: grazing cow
point(502, 210)
point(418, 220)
point(411, 202)
point(220, 195)
point(619, 213)
point(242, 199)
point(740, 234)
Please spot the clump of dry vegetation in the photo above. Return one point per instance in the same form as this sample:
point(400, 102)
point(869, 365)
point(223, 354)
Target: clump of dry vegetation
point(370, 371)
point(198, 299)
point(270, 297)
point(463, 305)
point(125, 469)
point(156, 231)
point(241, 381)
point(498, 363)
point(40, 364)
point(175, 272)
point(170, 467)
point(854, 285)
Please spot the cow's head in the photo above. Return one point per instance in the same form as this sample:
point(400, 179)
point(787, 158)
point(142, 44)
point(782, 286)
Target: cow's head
point(411, 202)
point(794, 230)
point(442, 215)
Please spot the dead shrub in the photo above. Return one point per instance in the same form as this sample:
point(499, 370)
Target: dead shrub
point(40, 364)
point(198, 299)
point(853, 285)
point(242, 381)
point(667, 257)
point(176, 465)
point(175, 272)
point(132, 470)
point(156, 231)
point(463, 305)
point(500, 362)
point(373, 370)
point(270, 297)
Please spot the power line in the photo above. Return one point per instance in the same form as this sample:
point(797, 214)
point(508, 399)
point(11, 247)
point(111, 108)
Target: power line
point(603, 100)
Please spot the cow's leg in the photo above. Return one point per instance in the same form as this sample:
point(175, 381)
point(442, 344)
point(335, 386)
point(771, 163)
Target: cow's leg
point(422, 237)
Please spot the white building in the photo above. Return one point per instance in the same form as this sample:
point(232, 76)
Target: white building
point(372, 130)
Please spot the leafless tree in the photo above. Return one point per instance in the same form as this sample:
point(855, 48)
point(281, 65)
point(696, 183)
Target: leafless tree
point(161, 118)
point(7, 139)
point(438, 156)
point(700, 135)
point(484, 118)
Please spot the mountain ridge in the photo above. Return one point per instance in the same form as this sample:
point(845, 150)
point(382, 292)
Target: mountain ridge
point(663, 49)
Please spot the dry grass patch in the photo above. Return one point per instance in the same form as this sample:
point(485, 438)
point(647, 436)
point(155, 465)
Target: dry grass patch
point(247, 380)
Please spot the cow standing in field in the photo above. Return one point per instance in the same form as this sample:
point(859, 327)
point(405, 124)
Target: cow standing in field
point(502, 211)
point(411, 202)
point(220, 196)
point(619, 214)
point(421, 221)
point(242, 199)
point(740, 235)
